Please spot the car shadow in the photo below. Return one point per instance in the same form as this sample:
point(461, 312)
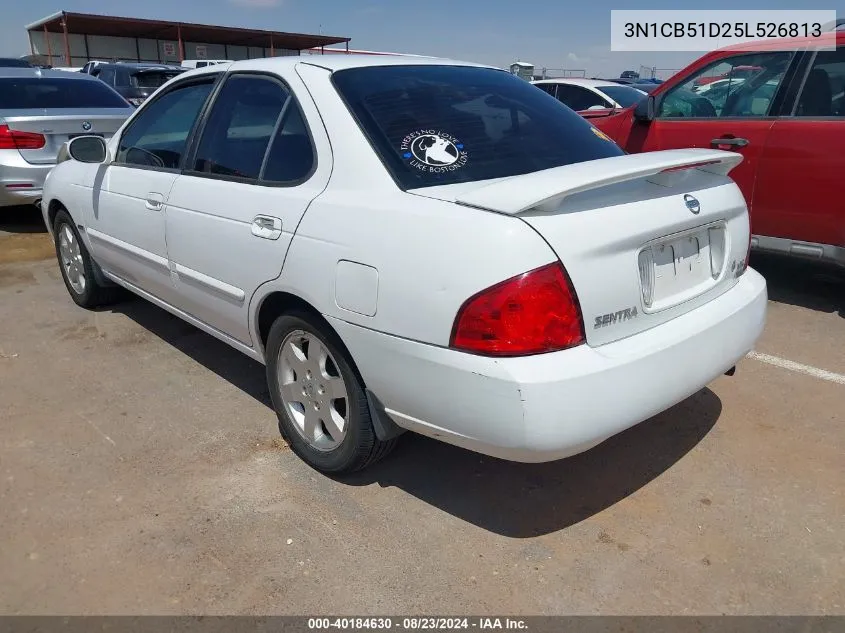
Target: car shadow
point(527, 500)
point(507, 498)
point(24, 219)
point(229, 364)
point(802, 283)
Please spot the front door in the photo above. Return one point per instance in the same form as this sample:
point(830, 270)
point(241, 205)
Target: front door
point(803, 164)
point(232, 215)
point(728, 104)
point(127, 224)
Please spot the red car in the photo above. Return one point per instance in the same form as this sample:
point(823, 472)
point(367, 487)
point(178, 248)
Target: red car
point(787, 118)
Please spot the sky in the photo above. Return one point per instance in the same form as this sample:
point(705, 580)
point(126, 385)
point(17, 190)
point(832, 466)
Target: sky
point(546, 33)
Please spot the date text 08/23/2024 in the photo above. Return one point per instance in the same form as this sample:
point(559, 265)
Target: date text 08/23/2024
point(415, 623)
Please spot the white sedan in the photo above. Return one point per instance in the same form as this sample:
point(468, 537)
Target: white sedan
point(416, 244)
point(591, 94)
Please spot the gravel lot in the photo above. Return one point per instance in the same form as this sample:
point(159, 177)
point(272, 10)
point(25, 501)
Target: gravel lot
point(141, 471)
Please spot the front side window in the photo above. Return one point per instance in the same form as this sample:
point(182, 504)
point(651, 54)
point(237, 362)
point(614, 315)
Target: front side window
point(741, 86)
point(437, 125)
point(823, 94)
point(255, 131)
point(158, 135)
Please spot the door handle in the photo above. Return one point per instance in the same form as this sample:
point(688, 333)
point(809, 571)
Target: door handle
point(732, 141)
point(267, 227)
point(154, 201)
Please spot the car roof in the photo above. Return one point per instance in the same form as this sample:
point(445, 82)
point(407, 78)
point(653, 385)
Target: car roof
point(831, 38)
point(14, 73)
point(335, 62)
point(577, 81)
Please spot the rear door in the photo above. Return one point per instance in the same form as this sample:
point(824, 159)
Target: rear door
point(703, 110)
point(798, 195)
point(232, 215)
point(126, 222)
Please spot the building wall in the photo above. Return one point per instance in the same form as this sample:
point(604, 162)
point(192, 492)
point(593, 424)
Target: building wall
point(84, 48)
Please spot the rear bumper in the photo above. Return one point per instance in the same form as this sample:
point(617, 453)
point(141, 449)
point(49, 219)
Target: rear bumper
point(827, 253)
point(551, 406)
point(20, 181)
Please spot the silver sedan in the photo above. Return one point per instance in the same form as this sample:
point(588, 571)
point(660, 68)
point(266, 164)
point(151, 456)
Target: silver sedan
point(39, 111)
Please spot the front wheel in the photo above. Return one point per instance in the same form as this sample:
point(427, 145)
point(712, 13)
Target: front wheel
point(78, 268)
point(319, 398)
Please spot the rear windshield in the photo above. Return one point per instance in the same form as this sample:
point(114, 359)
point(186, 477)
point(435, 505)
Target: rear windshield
point(152, 78)
point(34, 93)
point(14, 63)
point(623, 95)
point(439, 125)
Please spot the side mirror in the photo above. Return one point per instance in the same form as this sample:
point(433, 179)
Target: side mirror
point(88, 149)
point(646, 109)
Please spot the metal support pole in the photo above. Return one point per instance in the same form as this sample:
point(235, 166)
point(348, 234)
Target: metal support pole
point(49, 46)
point(272, 47)
point(181, 47)
point(67, 43)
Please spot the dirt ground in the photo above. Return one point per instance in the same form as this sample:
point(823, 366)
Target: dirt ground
point(141, 472)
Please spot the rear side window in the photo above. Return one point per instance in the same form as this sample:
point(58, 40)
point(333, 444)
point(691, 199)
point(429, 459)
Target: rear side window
point(255, 131)
point(438, 125)
point(48, 93)
point(106, 75)
point(159, 133)
point(579, 98)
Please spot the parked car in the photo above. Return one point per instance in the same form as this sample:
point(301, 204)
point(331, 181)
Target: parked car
point(14, 62)
point(416, 244)
point(590, 94)
point(629, 74)
point(136, 82)
point(787, 119)
point(39, 111)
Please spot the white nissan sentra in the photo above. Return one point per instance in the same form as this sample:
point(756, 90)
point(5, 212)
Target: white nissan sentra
point(416, 244)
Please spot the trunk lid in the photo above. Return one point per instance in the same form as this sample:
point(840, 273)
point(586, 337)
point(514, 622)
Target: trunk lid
point(644, 237)
point(59, 126)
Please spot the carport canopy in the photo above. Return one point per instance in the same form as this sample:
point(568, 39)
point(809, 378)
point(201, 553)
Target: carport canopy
point(65, 22)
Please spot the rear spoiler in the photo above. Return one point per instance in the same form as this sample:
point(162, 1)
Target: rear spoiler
point(545, 190)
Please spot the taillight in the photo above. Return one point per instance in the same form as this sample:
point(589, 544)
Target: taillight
point(14, 139)
point(532, 313)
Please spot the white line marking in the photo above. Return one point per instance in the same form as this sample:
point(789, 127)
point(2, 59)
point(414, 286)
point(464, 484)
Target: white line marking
point(815, 372)
point(96, 428)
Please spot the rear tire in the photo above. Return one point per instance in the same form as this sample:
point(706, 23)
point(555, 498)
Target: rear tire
point(78, 268)
point(319, 397)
